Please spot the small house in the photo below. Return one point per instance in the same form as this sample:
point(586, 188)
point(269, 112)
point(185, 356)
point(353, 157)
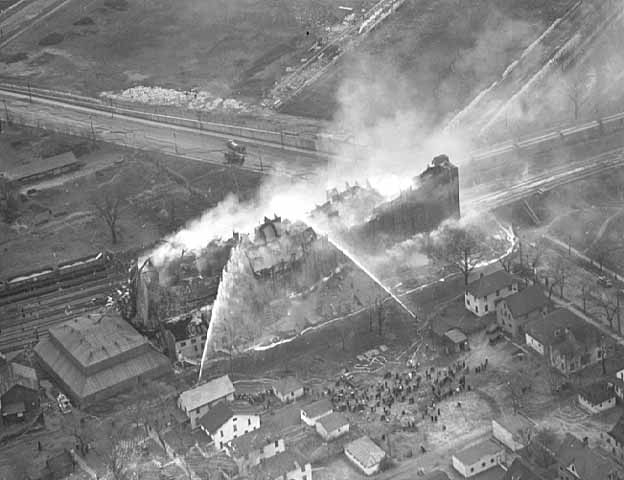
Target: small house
point(597, 397)
point(482, 295)
point(514, 311)
point(579, 462)
point(365, 455)
point(476, 459)
point(197, 401)
point(19, 390)
point(454, 341)
point(513, 431)
point(332, 426)
point(251, 449)
point(284, 466)
point(288, 389)
point(223, 425)
point(315, 410)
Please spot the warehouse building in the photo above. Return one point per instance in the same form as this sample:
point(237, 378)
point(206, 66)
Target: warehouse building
point(95, 356)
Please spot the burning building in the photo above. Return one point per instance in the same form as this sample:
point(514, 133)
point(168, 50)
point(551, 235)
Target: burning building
point(183, 285)
point(432, 198)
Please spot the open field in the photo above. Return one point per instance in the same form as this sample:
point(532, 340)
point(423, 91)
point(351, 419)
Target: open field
point(58, 222)
point(228, 48)
point(431, 56)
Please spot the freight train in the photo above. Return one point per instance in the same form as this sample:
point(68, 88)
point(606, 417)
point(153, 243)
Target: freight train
point(51, 275)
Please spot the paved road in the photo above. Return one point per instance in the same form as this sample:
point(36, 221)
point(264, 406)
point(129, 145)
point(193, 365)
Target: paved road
point(149, 135)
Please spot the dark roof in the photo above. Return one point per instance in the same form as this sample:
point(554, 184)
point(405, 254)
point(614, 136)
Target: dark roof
point(587, 463)
point(598, 392)
point(473, 454)
point(564, 331)
point(13, 408)
point(617, 432)
point(182, 328)
point(13, 374)
point(42, 165)
point(317, 408)
point(206, 393)
point(280, 464)
point(287, 385)
point(521, 470)
point(216, 417)
point(365, 451)
point(526, 301)
point(333, 421)
point(252, 441)
point(489, 283)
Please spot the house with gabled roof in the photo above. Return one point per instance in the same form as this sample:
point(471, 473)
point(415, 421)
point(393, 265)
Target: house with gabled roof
point(577, 461)
point(365, 455)
point(514, 311)
point(287, 465)
point(253, 448)
point(567, 342)
point(222, 424)
point(288, 389)
point(19, 390)
point(597, 397)
point(478, 458)
point(199, 400)
point(332, 426)
point(312, 412)
point(482, 295)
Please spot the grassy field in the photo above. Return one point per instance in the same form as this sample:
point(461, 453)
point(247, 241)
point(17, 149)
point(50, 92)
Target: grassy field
point(227, 47)
point(432, 56)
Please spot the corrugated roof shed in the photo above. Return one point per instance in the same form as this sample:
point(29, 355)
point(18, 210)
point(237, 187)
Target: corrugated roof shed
point(489, 283)
point(42, 166)
point(207, 393)
point(526, 301)
point(365, 451)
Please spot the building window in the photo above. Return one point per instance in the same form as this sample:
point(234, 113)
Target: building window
point(468, 301)
point(221, 431)
point(276, 443)
point(249, 421)
point(486, 307)
point(497, 293)
point(193, 340)
point(477, 308)
point(492, 460)
point(197, 410)
point(483, 464)
point(183, 344)
point(471, 469)
point(234, 427)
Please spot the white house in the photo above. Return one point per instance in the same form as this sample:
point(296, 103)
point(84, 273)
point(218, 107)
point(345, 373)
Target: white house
point(365, 455)
point(185, 336)
point(253, 448)
point(199, 400)
point(482, 295)
point(332, 426)
point(315, 410)
point(284, 466)
point(597, 397)
point(478, 458)
point(513, 431)
point(222, 425)
point(288, 389)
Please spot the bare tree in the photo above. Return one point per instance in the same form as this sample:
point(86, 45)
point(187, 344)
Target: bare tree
point(560, 274)
point(508, 261)
point(610, 305)
point(461, 248)
point(587, 293)
point(107, 201)
point(518, 386)
point(542, 447)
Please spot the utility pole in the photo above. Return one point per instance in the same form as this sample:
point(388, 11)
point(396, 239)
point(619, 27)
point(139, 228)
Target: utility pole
point(111, 105)
point(92, 129)
point(6, 111)
point(29, 93)
point(261, 169)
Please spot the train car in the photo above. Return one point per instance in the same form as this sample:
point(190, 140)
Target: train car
point(236, 147)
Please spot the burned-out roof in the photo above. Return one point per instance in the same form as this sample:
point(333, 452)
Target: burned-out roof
point(586, 461)
point(521, 470)
point(317, 408)
point(471, 455)
point(365, 451)
point(206, 393)
point(564, 331)
point(489, 283)
point(526, 301)
point(252, 441)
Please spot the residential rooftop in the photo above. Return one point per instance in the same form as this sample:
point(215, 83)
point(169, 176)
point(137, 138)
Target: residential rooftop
point(317, 408)
point(216, 417)
point(526, 301)
point(280, 464)
point(333, 421)
point(487, 284)
point(365, 451)
point(598, 392)
point(471, 455)
point(207, 393)
point(287, 385)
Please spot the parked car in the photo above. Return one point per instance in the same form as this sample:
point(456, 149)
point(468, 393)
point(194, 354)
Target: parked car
point(604, 282)
point(64, 403)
